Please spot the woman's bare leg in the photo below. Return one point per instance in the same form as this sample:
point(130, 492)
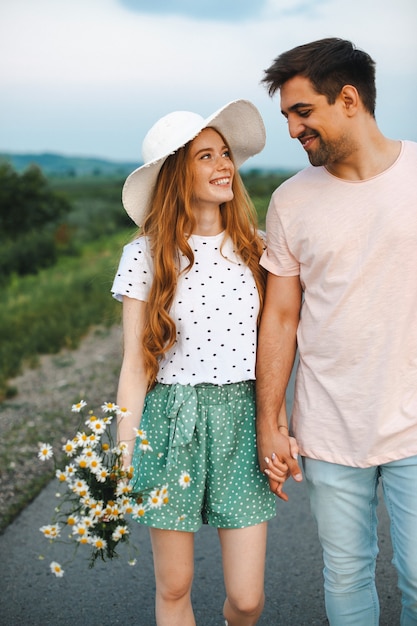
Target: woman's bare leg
point(243, 551)
point(173, 554)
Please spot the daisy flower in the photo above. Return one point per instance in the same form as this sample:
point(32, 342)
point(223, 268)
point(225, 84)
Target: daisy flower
point(98, 542)
point(119, 532)
point(93, 440)
point(113, 511)
point(45, 451)
point(87, 500)
point(80, 487)
point(76, 408)
point(89, 521)
point(82, 462)
point(94, 464)
point(123, 412)
point(83, 540)
point(70, 470)
point(139, 510)
point(184, 480)
point(128, 507)
point(97, 510)
point(102, 474)
point(70, 447)
point(164, 494)
point(145, 445)
point(81, 439)
point(155, 499)
point(80, 529)
point(56, 569)
point(89, 453)
point(51, 531)
point(140, 433)
point(128, 473)
point(123, 488)
point(62, 477)
point(108, 407)
point(121, 448)
point(98, 426)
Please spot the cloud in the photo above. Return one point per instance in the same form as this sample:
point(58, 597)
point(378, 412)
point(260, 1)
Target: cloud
point(90, 77)
point(215, 10)
point(310, 9)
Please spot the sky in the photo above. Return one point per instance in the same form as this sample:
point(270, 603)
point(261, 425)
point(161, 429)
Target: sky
point(90, 77)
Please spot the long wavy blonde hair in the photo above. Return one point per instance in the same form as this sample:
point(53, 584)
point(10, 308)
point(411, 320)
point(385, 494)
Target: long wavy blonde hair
point(168, 225)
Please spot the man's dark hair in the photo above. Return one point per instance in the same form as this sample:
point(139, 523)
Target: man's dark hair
point(329, 64)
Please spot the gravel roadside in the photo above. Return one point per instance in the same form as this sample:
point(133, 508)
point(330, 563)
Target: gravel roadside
point(41, 412)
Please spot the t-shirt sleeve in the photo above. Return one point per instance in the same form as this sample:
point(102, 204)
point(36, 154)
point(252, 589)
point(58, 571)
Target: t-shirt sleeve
point(277, 257)
point(135, 272)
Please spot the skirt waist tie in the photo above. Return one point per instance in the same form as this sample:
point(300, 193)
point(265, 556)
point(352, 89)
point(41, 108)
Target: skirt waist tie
point(182, 413)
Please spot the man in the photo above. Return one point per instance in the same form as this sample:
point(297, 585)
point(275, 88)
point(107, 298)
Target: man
point(342, 263)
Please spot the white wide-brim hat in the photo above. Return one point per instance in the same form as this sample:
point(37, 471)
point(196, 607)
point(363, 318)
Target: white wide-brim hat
point(239, 122)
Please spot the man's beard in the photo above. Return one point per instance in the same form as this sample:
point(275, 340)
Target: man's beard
point(330, 151)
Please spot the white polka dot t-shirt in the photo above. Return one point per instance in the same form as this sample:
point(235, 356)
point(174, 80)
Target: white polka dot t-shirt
point(215, 311)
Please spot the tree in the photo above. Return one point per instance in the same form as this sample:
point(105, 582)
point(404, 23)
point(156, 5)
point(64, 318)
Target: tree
point(27, 203)
point(30, 216)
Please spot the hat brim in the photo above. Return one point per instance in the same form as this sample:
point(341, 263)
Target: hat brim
point(241, 125)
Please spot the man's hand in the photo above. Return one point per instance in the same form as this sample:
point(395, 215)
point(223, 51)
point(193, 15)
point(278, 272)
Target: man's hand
point(278, 461)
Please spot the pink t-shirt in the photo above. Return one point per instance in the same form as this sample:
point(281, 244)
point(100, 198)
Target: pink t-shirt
point(354, 246)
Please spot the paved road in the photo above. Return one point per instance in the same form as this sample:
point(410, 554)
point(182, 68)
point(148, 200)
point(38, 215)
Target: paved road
point(115, 593)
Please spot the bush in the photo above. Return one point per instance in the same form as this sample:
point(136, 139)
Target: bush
point(27, 203)
point(31, 252)
point(30, 214)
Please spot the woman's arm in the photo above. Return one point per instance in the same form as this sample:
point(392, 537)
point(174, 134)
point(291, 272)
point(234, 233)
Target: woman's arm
point(132, 382)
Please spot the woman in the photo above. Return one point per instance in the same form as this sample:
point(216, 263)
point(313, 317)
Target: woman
point(192, 291)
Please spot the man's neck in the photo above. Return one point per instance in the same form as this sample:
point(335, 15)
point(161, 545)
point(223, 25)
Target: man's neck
point(372, 157)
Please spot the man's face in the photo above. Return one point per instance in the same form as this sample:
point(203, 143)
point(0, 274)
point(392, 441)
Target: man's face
point(320, 127)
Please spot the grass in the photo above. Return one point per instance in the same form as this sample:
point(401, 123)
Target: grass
point(54, 309)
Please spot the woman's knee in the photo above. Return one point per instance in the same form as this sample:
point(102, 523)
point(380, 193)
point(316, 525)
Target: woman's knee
point(247, 604)
point(173, 563)
point(174, 588)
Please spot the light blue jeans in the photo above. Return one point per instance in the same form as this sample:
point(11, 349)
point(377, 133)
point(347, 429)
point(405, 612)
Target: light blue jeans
point(343, 500)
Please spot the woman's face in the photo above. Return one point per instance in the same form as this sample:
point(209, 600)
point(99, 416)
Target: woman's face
point(212, 169)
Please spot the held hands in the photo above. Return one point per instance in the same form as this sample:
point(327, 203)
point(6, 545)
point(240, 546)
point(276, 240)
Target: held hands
point(282, 464)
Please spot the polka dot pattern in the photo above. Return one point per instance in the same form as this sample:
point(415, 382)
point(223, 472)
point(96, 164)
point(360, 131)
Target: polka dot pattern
point(215, 451)
point(215, 311)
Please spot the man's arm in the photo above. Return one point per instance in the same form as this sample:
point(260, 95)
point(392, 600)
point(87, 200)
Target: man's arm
point(275, 357)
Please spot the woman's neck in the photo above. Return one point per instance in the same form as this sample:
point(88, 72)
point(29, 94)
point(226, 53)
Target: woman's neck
point(208, 222)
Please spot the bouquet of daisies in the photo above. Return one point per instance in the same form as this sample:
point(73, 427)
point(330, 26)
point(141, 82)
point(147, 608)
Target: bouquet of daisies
point(98, 496)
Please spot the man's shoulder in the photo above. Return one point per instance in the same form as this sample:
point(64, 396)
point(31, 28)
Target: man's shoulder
point(307, 178)
point(410, 146)
point(307, 172)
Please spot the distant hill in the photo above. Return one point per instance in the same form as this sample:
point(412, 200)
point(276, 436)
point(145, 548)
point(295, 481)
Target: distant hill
point(58, 165)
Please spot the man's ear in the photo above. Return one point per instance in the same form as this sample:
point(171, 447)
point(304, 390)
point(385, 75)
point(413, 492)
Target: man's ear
point(350, 98)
